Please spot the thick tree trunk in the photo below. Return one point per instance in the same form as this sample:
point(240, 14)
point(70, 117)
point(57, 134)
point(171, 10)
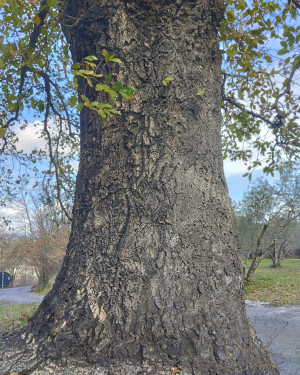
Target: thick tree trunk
point(152, 275)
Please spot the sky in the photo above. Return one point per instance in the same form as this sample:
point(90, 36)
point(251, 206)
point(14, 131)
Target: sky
point(237, 184)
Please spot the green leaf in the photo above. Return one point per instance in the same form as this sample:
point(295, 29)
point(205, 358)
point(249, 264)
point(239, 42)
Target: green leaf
point(105, 55)
point(80, 107)
point(116, 112)
point(109, 58)
point(89, 81)
point(112, 94)
point(41, 106)
point(241, 5)
point(232, 50)
point(200, 92)
point(102, 113)
point(85, 98)
point(2, 132)
point(283, 43)
point(166, 80)
point(108, 78)
point(127, 92)
point(115, 60)
point(283, 51)
point(33, 103)
point(12, 106)
point(75, 66)
point(268, 58)
point(230, 16)
point(29, 26)
point(84, 72)
point(73, 101)
point(91, 58)
point(117, 86)
point(52, 3)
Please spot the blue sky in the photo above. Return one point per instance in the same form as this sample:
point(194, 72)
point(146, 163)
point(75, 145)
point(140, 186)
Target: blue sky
point(237, 184)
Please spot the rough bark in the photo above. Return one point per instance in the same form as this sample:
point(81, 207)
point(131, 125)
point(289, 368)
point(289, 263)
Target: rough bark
point(152, 277)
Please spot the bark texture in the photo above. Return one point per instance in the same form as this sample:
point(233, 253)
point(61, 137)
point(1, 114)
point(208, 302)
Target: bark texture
point(152, 276)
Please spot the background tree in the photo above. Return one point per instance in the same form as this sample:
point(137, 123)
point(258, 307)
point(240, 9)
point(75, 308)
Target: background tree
point(10, 260)
point(41, 233)
point(283, 242)
point(44, 252)
point(152, 263)
point(265, 219)
point(295, 239)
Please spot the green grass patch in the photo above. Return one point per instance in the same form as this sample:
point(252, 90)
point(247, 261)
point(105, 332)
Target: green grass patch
point(43, 290)
point(275, 285)
point(47, 288)
point(15, 316)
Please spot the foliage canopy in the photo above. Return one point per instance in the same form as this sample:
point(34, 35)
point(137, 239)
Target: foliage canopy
point(38, 82)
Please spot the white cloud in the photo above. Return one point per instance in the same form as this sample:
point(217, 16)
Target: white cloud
point(234, 167)
point(30, 137)
point(13, 216)
point(10, 212)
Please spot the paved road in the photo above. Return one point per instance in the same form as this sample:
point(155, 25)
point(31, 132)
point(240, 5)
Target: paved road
point(279, 328)
point(19, 295)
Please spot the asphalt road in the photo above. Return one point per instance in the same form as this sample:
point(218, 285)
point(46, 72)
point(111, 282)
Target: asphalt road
point(19, 295)
point(278, 327)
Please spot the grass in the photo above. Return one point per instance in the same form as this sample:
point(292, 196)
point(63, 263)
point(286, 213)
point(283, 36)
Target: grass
point(279, 286)
point(15, 316)
point(45, 290)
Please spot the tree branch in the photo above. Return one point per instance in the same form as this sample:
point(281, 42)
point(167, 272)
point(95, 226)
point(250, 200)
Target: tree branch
point(52, 157)
point(24, 69)
point(232, 101)
point(287, 90)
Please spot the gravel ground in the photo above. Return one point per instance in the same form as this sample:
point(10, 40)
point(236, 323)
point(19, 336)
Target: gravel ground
point(278, 327)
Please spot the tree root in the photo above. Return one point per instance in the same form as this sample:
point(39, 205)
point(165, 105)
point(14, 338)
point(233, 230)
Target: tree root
point(21, 355)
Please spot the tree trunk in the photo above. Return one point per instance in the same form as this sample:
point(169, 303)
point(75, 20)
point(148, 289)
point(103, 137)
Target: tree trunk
point(258, 254)
point(277, 253)
point(152, 276)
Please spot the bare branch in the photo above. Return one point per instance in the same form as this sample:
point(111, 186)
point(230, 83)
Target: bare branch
point(286, 90)
point(51, 154)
